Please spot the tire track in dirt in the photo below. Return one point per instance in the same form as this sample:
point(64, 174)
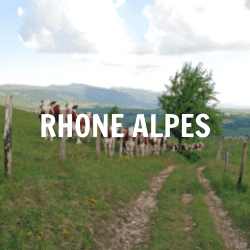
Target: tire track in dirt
point(186, 199)
point(129, 234)
point(232, 236)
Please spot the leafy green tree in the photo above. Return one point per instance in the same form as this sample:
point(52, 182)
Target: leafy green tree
point(191, 92)
point(113, 110)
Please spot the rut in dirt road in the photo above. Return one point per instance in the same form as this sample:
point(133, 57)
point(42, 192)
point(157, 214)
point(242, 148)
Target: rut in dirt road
point(233, 237)
point(134, 231)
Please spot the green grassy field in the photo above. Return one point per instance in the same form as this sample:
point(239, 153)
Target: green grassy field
point(50, 204)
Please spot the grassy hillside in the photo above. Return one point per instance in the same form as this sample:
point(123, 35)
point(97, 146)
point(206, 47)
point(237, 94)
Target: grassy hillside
point(49, 204)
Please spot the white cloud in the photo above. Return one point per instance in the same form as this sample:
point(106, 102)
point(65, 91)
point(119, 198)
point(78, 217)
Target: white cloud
point(42, 41)
point(72, 26)
point(180, 27)
point(142, 49)
point(119, 3)
point(20, 11)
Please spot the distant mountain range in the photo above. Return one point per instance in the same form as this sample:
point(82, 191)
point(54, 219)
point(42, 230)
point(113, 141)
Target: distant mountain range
point(84, 95)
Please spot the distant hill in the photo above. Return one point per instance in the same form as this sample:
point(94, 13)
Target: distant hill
point(82, 94)
point(113, 96)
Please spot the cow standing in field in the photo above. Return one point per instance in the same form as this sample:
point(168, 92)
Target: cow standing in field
point(151, 143)
point(109, 141)
point(59, 108)
point(46, 108)
point(143, 144)
point(129, 141)
point(173, 146)
point(154, 144)
point(191, 147)
point(55, 109)
point(159, 143)
point(200, 145)
point(164, 142)
point(72, 109)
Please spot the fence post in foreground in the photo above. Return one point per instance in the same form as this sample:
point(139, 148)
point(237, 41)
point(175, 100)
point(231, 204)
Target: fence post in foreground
point(7, 135)
point(218, 158)
point(63, 138)
point(226, 160)
point(243, 160)
point(98, 144)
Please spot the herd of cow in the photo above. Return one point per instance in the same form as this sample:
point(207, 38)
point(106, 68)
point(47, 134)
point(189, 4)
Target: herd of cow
point(146, 145)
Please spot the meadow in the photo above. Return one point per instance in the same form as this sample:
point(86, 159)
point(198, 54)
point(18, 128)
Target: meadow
point(50, 204)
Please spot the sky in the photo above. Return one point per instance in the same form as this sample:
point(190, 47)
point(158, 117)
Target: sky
point(126, 43)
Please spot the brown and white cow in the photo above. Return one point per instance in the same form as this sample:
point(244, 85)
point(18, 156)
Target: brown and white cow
point(148, 144)
point(164, 143)
point(199, 146)
point(46, 108)
point(154, 144)
point(71, 109)
point(82, 125)
point(59, 108)
point(55, 109)
point(173, 146)
point(129, 141)
point(109, 141)
point(202, 145)
point(143, 144)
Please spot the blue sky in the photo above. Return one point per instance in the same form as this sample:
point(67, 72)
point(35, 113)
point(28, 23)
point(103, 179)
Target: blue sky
point(125, 43)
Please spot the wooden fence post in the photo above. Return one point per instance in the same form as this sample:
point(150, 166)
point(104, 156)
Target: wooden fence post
point(226, 160)
point(98, 144)
point(7, 135)
point(243, 160)
point(63, 139)
point(218, 158)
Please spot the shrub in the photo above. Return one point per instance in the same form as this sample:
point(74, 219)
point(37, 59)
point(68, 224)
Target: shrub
point(192, 156)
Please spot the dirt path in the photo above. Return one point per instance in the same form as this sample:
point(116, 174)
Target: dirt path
point(186, 199)
point(129, 234)
point(233, 237)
